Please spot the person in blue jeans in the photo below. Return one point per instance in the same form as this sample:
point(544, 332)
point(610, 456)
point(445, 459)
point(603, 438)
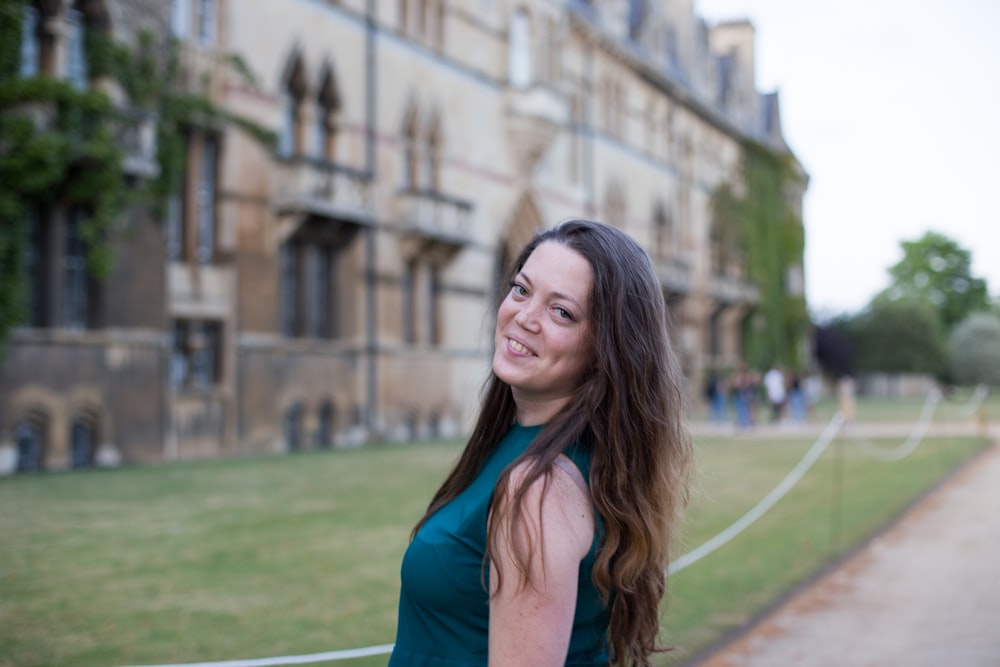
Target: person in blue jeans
point(741, 388)
point(717, 394)
point(548, 543)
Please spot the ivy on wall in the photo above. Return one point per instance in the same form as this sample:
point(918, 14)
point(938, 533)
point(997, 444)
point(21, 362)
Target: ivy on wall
point(765, 225)
point(57, 144)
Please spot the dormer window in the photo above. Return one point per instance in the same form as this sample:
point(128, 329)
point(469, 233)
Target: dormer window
point(194, 18)
point(180, 18)
point(519, 55)
point(206, 22)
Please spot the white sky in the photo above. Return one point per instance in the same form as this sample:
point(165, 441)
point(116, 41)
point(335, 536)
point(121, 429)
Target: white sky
point(893, 107)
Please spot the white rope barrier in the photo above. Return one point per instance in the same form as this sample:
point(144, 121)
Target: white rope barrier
point(327, 656)
point(916, 435)
point(766, 503)
point(691, 557)
point(756, 512)
point(976, 401)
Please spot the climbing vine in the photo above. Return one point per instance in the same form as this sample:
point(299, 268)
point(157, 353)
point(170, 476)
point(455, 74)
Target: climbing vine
point(58, 143)
point(764, 224)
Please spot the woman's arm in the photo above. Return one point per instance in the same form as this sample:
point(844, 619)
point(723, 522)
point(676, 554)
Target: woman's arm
point(531, 621)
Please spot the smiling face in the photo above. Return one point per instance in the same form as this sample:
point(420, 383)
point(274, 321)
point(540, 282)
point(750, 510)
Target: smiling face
point(542, 343)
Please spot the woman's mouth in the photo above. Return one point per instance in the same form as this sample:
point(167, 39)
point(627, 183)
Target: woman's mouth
point(518, 347)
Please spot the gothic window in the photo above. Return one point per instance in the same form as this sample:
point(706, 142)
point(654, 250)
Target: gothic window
point(614, 206)
point(191, 220)
point(662, 232)
point(519, 50)
point(289, 122)
point(206, 199)
point(319, 269)
point(48, 28)
point(421, 302)
point(196, 359)
point(671, 51)
point(291, 134)
point(437, 19)
point(206, 22)
point(576, 140)
point(76, 57)
point(667, 133)
point(60, 291)
point(411, 150)
point(651, 126)
point(324, 425)
point(549, 51)
point(606, 95)
point(181, 18)
point(327, 108)
point(434, 424)
point(194, 18)
point(75, 280)
point(36, 268)
point(432, 155)
point(638, 11)
point(309, 288)
point(423, 22)
point(434, 308)
point(408, 288)
point(83, 445)
point(404, 15)
point(175, 226)
point(30, 45)
point(293, 427)
point(618, 106)
point(717, 249)
point(29, 440)
point(289, 279)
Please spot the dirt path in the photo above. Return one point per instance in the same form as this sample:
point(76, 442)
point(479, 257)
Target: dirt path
point(925, 593)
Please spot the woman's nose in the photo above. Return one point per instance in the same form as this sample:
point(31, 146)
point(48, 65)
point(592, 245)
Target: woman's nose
point(527, 315)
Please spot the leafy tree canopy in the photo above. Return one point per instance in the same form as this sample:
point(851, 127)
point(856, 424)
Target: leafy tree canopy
point(975, 349)
point(904, 335)
point(937, 270)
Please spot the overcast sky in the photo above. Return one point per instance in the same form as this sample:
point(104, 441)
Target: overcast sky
point(893, 107)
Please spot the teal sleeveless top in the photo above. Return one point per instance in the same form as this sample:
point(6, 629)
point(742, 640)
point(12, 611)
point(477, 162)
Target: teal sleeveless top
point(444, 609)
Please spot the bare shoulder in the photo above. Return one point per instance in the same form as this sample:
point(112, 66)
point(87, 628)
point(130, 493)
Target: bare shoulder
point(563, 504)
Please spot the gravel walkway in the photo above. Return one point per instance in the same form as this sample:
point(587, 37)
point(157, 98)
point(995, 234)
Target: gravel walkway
point(925, 593)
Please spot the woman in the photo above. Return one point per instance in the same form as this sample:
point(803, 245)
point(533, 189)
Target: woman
point(547, 544)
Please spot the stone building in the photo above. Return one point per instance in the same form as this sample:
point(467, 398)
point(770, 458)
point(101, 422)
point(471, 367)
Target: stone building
point(338, 287)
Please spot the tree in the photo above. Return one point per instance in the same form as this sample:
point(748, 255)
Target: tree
point(762, 228)
point(899, 336)
point(975, 350)
point(74, 156)
point(937, 270)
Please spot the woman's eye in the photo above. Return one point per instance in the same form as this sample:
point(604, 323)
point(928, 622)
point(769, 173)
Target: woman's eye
point(563, 313)
point(518, 289)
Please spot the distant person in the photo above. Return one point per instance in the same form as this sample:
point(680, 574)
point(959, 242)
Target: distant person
point(774, 387)
point(548, 542)
point(741, 390)
point(797, 401)
point(716, 395)
point(845, 397)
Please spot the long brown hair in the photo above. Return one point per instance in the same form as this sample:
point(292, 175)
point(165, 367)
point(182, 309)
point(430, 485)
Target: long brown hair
point(630, 408)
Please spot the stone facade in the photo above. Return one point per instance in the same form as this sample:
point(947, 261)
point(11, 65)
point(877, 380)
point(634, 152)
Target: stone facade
point(339, 287)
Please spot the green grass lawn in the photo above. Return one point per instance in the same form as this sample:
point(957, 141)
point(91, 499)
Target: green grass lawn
point(255, 557)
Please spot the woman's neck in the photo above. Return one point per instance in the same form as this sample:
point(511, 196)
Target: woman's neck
point(536, 412)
